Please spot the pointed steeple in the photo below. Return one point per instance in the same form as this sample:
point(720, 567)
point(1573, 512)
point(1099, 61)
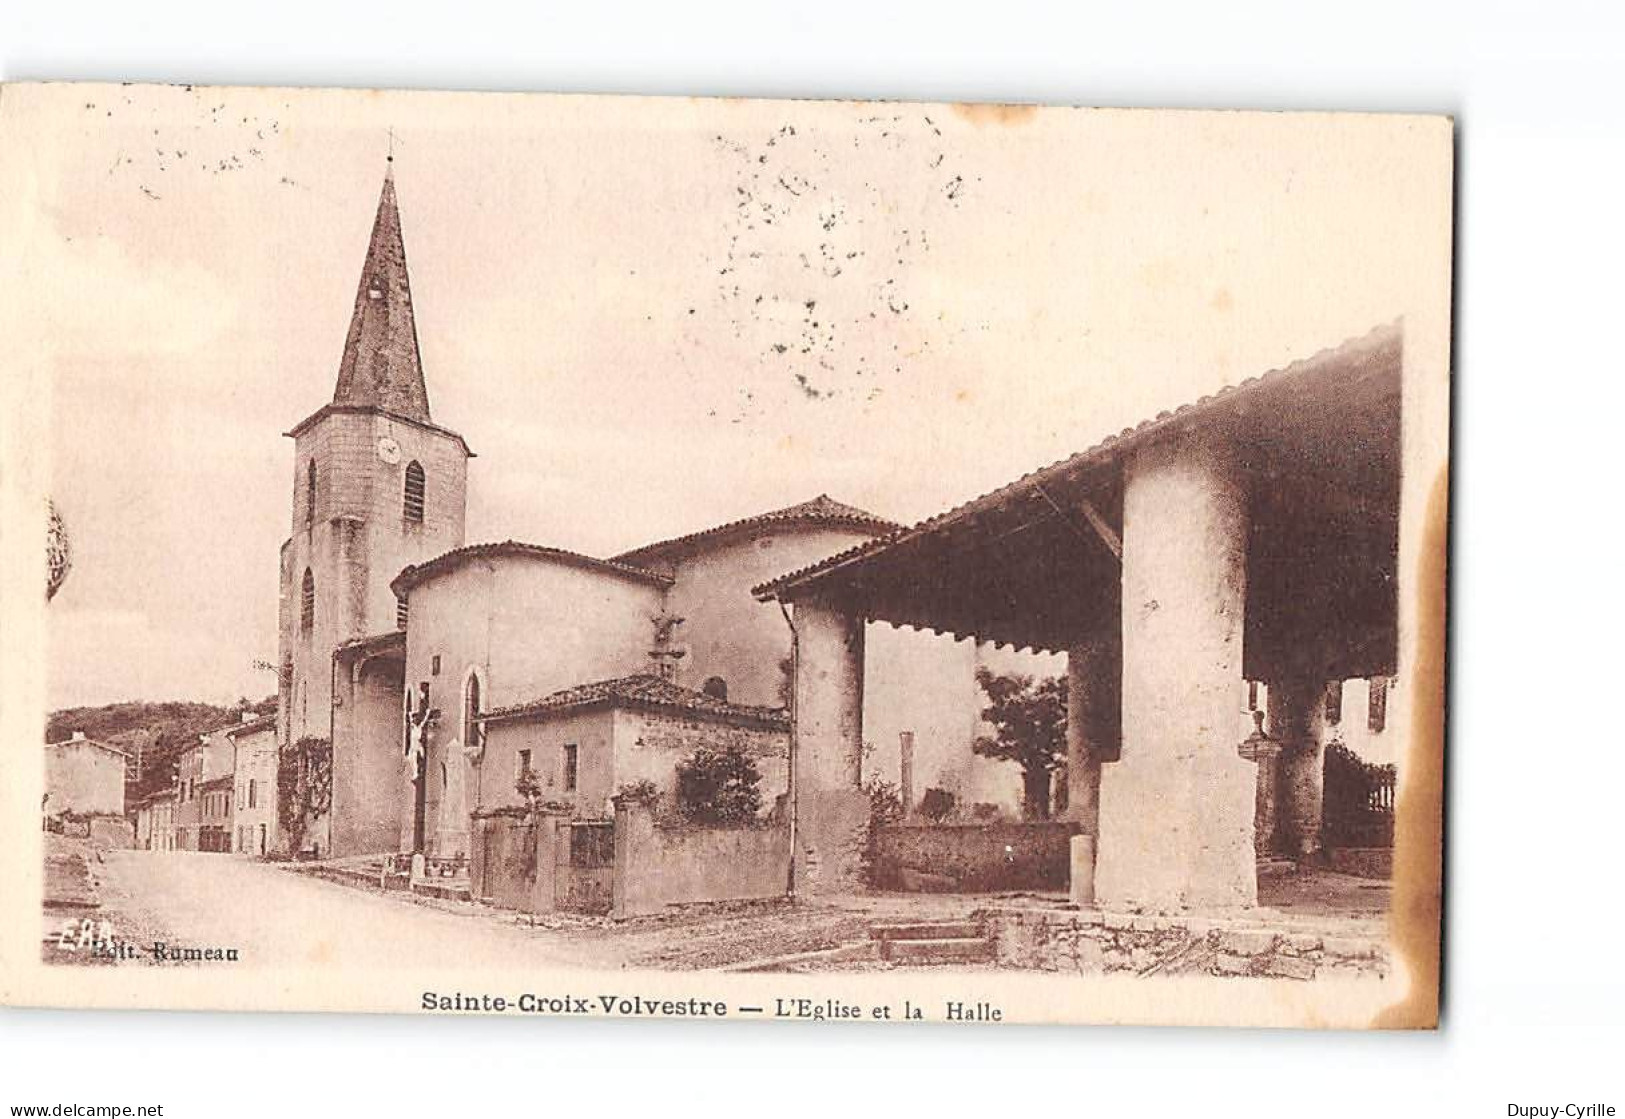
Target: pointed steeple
point(381, 366)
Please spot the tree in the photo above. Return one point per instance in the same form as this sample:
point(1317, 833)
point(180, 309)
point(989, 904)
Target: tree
point(717, 788)
point(1029, 724)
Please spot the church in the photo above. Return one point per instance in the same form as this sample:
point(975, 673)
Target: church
point(422, 677)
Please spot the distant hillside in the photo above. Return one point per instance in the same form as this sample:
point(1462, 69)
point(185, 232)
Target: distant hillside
point(173, 725)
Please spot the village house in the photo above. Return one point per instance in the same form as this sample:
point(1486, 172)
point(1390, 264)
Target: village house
point(201, 772)
point(84, 777)
point(215, 815)
point(253, 772)
point(585, 743)
point(155, 821)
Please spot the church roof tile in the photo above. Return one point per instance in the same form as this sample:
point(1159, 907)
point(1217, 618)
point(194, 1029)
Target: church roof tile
point(648, 692)
point(822, 510)
point(414, 574)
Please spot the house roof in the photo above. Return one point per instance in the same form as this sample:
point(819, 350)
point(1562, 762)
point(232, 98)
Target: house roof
point(414, 574)
point(83, 741)
point(822, 510)
point(1379, 344)
point(645, 692)
point(263, 722)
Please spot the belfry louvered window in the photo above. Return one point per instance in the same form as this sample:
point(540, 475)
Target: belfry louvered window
point(412, 499)
point(307, 602)
point(400, 611)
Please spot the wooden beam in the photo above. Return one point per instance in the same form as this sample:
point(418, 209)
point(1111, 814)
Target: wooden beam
point(1098, 523)
point(1103, 530)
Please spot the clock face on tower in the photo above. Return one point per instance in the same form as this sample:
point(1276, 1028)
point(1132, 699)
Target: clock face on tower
point(389, 450)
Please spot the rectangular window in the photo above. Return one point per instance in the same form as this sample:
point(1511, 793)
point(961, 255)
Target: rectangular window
point(434, 665)
point(571, 758)
point(251, 792)
point(524, 763)
point(1376, 716)
point(1334, 702)
point(1252, 695)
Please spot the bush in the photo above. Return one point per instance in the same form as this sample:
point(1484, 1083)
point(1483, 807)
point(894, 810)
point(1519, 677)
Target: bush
point(937, 805)
point(885, 808)
point(717, 788)
point(643, 792)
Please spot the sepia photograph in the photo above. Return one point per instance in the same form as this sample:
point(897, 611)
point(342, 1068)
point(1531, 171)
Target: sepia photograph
point(739, 558)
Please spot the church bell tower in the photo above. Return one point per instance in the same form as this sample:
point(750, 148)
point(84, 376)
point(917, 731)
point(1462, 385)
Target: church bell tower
point(377, 485)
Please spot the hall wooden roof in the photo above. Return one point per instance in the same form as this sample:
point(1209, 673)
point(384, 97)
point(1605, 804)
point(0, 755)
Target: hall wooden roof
point(1035, 564)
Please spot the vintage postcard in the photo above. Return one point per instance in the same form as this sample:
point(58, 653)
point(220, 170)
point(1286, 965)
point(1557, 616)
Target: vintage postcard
point(770, 560)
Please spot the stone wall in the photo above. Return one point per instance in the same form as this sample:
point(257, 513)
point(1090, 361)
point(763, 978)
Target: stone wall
point(370, 781)
point(1094, 943)
point(109, 831)
point(505, 858)
point(832, 840)
point(973, 859)
point(656, 867)
point(1364, 862)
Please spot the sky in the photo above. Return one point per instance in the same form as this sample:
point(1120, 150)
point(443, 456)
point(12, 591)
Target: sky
point(646, 316)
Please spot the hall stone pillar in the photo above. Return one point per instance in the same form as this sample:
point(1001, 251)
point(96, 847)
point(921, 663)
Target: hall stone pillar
point(1264, 752)
point(832, 811)
point(1297, 720)
point(1094, 670)
point(1176, 809)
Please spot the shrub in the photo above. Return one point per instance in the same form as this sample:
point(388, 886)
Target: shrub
point(644, 792)
point(937, 805)
point(885, 808)
point(717, 788)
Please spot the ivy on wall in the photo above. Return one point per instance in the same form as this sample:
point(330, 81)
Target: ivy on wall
point(304, 787)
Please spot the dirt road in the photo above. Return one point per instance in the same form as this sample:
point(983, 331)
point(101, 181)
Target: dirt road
point(273, 917)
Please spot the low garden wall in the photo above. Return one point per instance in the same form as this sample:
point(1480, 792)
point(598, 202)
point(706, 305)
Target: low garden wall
point(972, 858)
point(1365, 862)
point(112, 831)
point(657, 866)
point(503, 864)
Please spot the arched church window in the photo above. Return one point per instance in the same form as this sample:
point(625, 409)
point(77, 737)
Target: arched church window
point(412, 499)
point(472, 732)
point(307, 602)
point(716, 687)
point(310, 491)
